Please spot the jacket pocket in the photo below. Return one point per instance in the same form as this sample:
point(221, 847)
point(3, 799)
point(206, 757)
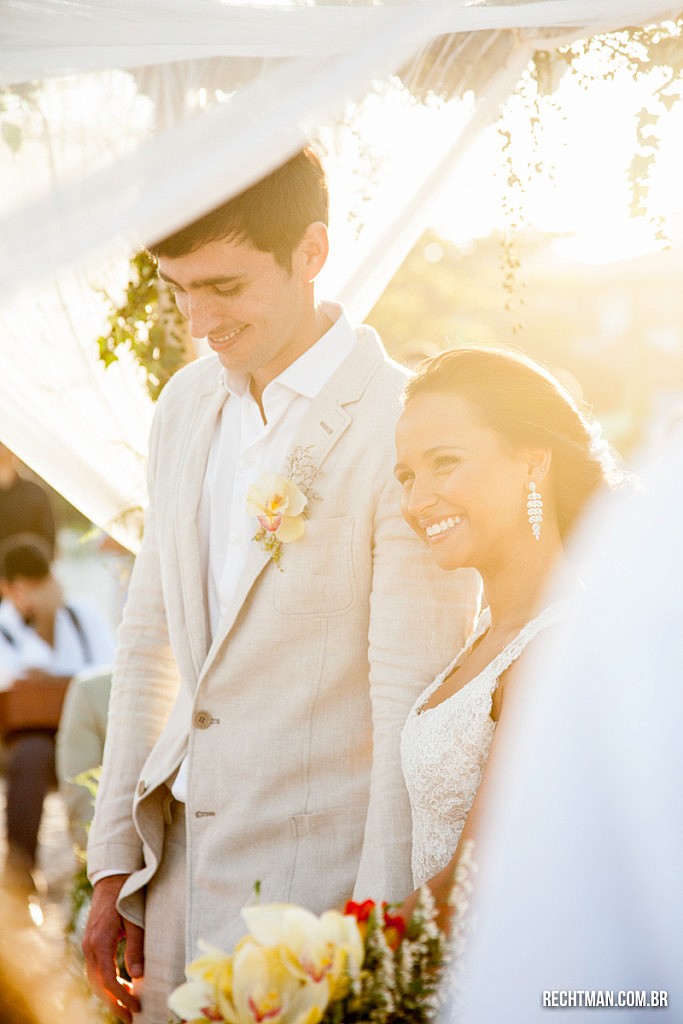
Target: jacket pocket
point(328, 849)
point(317, 570)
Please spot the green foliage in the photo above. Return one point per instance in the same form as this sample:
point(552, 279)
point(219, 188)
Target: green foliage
point(81, 889)
point(80, 895)
point(443, 296)
point(398, 984)
point(654, 53)
point(149, 325)
point(12, 135)
point(17, 104)
point(440, 297)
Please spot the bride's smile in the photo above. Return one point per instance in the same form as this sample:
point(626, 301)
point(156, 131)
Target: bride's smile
point(436, 531)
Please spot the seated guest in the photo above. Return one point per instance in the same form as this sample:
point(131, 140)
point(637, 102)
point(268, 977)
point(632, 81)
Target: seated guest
point(43, 640)
point(80, 743)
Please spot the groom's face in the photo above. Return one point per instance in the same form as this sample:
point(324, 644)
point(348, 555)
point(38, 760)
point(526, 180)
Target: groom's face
point(252, 311)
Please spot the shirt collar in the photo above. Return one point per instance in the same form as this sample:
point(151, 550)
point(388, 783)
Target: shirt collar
point(308, 374)
point(10, 617)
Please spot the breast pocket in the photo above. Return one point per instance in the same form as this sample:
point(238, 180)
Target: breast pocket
point(317, 570)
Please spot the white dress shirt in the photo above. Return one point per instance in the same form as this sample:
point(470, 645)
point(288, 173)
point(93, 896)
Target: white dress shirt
point(242, 449)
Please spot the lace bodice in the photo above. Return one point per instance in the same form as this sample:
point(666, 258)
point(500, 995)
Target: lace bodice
point(444, 750)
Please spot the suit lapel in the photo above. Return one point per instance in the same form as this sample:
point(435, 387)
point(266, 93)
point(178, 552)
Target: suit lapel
point(190, 483)
point(322, 427)
point(328, 416)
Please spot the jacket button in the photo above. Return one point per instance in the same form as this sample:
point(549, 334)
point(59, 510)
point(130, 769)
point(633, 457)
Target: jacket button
point(201, 719)
point(142, 787)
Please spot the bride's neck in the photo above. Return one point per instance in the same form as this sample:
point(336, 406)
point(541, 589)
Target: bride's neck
point(515, 592)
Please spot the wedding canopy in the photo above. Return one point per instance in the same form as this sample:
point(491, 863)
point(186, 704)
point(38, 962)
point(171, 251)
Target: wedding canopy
point(124, 119)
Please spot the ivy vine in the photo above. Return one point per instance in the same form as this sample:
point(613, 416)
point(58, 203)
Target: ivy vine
point(640, 52)
point(149, 324)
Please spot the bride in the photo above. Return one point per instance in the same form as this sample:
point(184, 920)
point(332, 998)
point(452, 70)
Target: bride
point(496, 462)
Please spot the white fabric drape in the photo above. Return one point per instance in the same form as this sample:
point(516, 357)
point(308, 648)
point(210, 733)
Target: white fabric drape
point(140, 115)
point(579, 855)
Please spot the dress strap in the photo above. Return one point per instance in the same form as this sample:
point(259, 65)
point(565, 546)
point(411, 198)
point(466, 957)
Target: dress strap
point(480, 627)
point(547, 617)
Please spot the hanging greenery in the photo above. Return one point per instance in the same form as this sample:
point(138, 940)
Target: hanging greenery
point(643, 53)
point(150, 325)
point(18, 105)
point(651, 53)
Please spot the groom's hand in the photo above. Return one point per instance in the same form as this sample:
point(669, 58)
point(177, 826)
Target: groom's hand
point(105, 928)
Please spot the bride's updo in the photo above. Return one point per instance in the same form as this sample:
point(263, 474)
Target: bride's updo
point(527, 407)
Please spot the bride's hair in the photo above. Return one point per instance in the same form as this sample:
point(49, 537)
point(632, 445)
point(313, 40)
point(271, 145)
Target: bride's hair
point(526, 406)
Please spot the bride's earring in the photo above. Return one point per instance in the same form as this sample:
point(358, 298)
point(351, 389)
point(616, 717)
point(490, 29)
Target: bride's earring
point(534, 510)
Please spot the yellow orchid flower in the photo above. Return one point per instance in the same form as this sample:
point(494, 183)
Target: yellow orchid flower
point(278, 504)
point(343, 930)
point(215, 964)
point(194, 1002)
point(265, 992)
point(313, 948)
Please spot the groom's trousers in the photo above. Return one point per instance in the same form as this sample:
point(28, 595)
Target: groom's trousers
point(165, 923)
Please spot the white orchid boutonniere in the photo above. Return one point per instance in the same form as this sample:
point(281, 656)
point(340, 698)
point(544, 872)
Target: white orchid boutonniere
point(278, 505)
point(281, 503)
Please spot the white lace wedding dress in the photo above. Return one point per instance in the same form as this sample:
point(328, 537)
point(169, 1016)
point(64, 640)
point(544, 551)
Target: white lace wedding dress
point(444, 750)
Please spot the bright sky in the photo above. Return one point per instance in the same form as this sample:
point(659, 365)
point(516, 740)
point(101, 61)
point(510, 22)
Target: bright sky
point(589, 144)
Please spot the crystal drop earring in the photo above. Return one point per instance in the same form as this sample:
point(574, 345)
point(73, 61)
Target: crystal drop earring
point(534, 510)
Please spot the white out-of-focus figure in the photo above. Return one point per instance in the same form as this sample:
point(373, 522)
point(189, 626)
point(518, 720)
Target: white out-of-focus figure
point(579, 892)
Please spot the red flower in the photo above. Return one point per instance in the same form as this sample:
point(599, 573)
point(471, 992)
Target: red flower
point(361, 911)
point(394, 928)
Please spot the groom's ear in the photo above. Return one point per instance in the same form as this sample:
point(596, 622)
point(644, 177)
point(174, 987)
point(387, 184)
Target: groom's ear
point(310, 255)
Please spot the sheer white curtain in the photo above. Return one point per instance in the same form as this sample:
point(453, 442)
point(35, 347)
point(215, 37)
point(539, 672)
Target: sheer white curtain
point(137, 116)
point(579, 881)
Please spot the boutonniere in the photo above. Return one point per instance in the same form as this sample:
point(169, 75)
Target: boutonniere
point(281, 503)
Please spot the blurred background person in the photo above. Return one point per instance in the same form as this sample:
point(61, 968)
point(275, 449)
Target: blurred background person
point(44, 641)
point(24, 505)
point(578, 886)
point(80, 744)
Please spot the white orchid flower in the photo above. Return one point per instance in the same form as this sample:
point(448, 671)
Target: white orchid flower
point(278, 504)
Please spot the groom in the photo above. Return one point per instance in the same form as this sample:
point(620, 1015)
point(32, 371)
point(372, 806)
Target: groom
point(281, 618)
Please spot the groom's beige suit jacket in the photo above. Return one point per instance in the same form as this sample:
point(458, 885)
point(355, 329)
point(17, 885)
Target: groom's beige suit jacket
point(314, 664)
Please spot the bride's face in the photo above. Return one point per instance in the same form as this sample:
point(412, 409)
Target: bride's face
point(463, 491)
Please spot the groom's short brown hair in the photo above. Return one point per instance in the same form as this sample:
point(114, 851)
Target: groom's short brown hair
point(272, 215)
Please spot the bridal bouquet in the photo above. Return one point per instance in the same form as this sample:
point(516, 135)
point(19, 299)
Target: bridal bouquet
point(296, 968)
